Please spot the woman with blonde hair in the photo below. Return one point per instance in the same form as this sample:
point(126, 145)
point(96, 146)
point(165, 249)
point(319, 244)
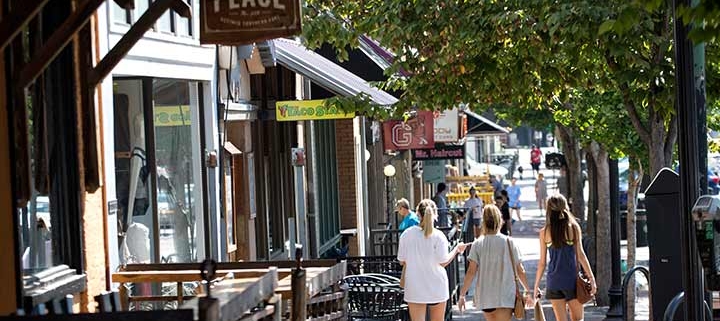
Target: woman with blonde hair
point(562, 237)
point(496, 260)
point(423, 252)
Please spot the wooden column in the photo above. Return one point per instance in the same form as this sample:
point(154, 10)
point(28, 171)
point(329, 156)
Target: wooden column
point(7, 249)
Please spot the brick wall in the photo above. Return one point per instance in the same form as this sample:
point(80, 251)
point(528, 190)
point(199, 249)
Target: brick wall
point(94, 235)
point(345, 152)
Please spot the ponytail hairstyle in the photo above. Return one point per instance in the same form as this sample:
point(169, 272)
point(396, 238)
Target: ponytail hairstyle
point(427, 210)
point(492, 219)
point(559, 220)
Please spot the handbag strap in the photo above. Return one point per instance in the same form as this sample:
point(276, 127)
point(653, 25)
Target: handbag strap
point(512, 261)
point(576, 243)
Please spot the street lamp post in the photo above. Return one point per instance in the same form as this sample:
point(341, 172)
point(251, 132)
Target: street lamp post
point(389, 172)
point(615, 292)
point(691, 114)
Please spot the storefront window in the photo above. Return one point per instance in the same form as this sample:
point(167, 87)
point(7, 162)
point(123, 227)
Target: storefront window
point(229, 202)
point(164, 24)
point(133, 179)
point(169, 22)
point(36, 236)
point(184, 26)
point(158, 171)
point(178, 159)
point(36, 217)
point(46, 174)
point(120, 14)
point(140, 7)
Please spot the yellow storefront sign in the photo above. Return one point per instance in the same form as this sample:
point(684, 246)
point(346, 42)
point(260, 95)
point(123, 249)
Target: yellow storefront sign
point(308, 110)
point(172, 115)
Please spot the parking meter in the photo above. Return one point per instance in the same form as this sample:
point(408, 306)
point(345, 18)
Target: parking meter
point(706, 216)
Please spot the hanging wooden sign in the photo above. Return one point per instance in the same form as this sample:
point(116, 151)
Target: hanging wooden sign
point(237, 22)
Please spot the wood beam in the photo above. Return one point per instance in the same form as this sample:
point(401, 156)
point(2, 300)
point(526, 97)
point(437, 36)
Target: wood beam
point(59, 39)
point(132, 36)
point(9, 274)
point(14, 22)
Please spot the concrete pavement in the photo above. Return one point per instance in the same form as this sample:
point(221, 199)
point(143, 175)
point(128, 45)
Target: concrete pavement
point(526, 233)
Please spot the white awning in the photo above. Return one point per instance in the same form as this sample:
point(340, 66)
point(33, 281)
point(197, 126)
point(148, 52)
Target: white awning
point(294, 56)
point(483, 126)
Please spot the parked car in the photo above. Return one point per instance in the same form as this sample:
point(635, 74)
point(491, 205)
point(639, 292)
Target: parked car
point(623, 173)
point(166, 210)
point(713, 180)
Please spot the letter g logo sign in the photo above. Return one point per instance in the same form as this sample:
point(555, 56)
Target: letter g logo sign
point(402, 134)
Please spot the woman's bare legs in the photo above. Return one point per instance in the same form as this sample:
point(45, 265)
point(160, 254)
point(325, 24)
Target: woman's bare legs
point(437, 312)
point(417, 311)
point(500, 314)
point(577, 310)
point(559, 308)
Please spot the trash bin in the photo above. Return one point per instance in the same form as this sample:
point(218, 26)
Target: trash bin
point(641, 238)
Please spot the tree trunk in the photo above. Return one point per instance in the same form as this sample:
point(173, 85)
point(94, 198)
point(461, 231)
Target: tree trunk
point(657, 157)
point(634, 179)
point(603, 272)
point(573, 156)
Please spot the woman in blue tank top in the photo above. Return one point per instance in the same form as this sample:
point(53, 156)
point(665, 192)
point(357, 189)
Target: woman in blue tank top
point(562, 238)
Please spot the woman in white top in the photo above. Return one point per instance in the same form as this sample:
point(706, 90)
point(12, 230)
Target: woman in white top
point(490, 259)
point(423, 251)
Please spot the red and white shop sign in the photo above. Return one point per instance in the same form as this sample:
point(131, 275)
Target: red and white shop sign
point(416, 133)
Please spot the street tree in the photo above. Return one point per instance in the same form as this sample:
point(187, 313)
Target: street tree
point(528, 55)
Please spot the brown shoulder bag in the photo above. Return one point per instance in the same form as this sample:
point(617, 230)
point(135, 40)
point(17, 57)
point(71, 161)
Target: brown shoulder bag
point(583, 287)
point(519, 309)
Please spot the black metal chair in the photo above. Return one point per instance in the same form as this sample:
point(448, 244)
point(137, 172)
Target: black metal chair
point(376, 301)
point(387, 265)
point(372, 278)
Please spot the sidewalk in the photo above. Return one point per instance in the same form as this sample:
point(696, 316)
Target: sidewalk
point(526, 232)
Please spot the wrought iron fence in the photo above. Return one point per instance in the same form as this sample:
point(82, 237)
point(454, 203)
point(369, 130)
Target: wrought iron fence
point(384, 244)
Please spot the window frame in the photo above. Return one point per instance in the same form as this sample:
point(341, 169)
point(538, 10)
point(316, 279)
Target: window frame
point(131, 17)
point(148, 112)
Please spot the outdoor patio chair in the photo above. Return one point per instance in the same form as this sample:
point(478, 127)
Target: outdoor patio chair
point(387, 278)
point(372, 278)
point(376, 301)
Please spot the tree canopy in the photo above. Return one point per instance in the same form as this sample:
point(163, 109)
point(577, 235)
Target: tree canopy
point(603, 68)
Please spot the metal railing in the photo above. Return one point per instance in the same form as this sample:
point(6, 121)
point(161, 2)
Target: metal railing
point(675, 304)
point(626, 280)
point(384, 242)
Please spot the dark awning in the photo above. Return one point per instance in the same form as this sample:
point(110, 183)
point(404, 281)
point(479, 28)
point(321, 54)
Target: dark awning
point(294, 56)
point(478, 126)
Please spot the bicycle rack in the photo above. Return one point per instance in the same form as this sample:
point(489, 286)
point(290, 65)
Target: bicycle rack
point(675, 303)
point(630, 273)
